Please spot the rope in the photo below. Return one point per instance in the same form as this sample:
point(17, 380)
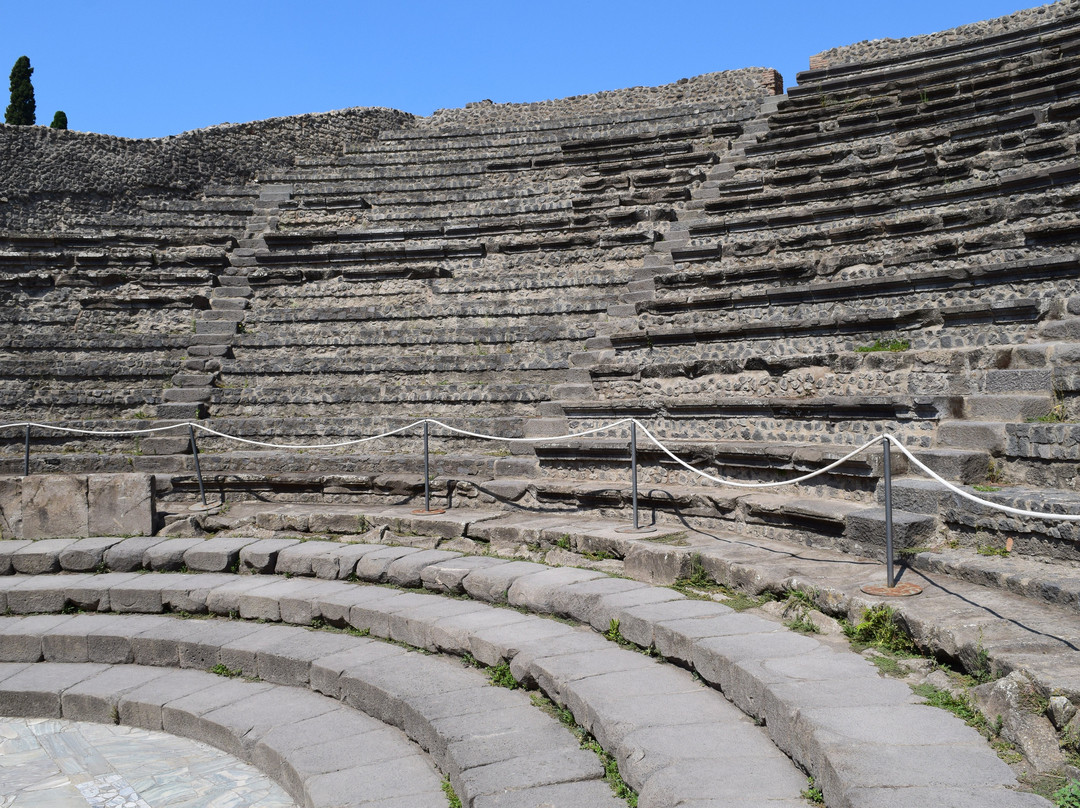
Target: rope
point(738, 484)
point(1060, 517)
point(569, 436)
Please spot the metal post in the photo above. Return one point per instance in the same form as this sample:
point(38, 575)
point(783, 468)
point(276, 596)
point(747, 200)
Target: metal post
point(26, 453)
point(890, 576)
point(427, 471)
point(427, 511)
point(633, 469)
point(198, 468)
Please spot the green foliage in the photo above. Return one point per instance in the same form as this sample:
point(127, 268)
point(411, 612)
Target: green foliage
point(22, 109)
point(880, 629)
point(799, 605)
point(222, 670)
point(990, 550)
point(501, 676)
point(812, 794)
point(613, 632)
point(59, 120)
point(451, 796)
point(563, 541)
point(960, 706)
point(892, 345)
point(587, 741)
point(1068, 796)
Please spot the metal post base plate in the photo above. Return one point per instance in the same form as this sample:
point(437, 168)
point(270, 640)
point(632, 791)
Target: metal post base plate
point(635, 530)
point(898, 591)
point(432, 512)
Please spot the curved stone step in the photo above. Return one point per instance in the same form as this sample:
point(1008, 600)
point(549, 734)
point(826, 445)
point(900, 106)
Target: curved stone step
point(801, 689)
point(324, 754)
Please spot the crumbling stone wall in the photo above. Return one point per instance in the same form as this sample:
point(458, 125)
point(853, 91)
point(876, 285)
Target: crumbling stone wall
point(876, 49)
point(727, 89)
point(53, 179)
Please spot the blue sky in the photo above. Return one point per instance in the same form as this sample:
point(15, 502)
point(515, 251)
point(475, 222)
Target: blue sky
point(158, 67)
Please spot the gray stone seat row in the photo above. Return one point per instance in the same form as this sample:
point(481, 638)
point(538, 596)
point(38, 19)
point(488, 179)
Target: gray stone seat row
point(320, 751)
point(489, 741)
point(956, 279)
point(642, 120)
point(1012, 142)
point(925, 106)
point(847, 332)
point(1028, 179)
point(951, 56)
point(827, 710)
point(930, 100)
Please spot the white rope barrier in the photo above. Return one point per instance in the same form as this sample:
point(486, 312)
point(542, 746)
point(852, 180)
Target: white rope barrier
point(1060, 517)
point(570, 436)
point(737, 484)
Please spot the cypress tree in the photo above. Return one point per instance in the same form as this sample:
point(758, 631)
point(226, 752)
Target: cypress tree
point(20, 111)
point(59, 120)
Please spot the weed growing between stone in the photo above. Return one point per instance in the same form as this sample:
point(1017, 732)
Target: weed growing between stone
point(700, 586)
point(451, 796)
point(221, 669)
point(587, 741)
point(892, 345)
point(1068, 796)
point(880, 629)
point(800, 604)
point(812, 794)
point(501, 676)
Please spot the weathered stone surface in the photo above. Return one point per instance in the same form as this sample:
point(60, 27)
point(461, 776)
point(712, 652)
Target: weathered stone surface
point(86, 555)
point(120, 504)
point(216, 555)
point(261, 556)
point(448, 575)
point(127, 556)
point(168, 556)
point(10, 508)
point(39, 557)
point(7, 550)
point(54, 505)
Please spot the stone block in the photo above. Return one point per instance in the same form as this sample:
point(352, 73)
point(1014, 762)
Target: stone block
point(296, 560)
point(407, 571)
point(168, 556)
point(96, 698)
point(448, 576)
point(216, 555)
point(40, 557)
point(54, 506)
point(339, 564)
point(492, 583)
point(35, 691)
point(867, 527)
point(261, 556)
point(22, 637)
point(10, 507)
point(120, 504)
point(36, 594)
point(86, 555)
point(7, 550)
point(127, 556)
point(373, 566)
point(141, 706)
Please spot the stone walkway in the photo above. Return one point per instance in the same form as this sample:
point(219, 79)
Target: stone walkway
point(51, 763)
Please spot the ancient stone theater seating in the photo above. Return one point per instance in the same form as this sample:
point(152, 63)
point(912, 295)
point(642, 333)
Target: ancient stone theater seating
point(922, 200)
point(767, 281)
